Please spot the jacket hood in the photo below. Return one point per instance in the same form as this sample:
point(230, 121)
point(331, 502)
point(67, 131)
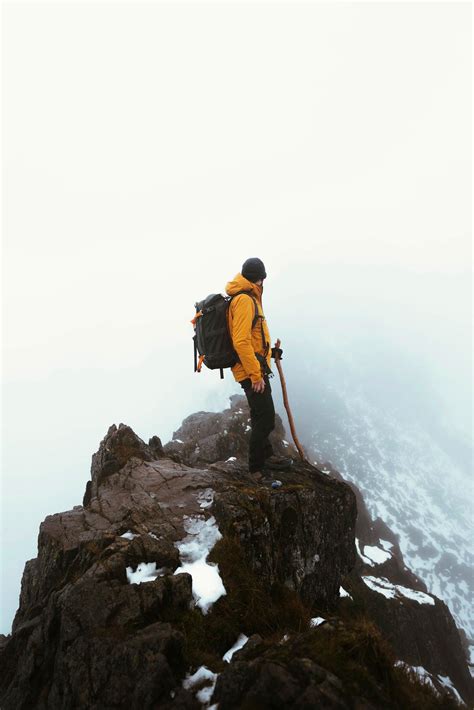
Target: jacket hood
point(240, 283)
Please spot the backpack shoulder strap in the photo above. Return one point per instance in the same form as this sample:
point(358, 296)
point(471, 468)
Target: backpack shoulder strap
point(266, 346)
point(249, 293)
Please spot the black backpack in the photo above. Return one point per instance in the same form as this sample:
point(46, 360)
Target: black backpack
point(212, 338)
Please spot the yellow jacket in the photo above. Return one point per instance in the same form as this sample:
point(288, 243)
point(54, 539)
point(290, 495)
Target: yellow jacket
point(247, 340)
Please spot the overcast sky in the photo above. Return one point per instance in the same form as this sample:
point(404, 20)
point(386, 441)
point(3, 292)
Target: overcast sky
point(149, 149)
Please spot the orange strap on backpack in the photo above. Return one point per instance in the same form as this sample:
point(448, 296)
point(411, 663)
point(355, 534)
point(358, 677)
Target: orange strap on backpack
point(199, 365)
point(196, 317)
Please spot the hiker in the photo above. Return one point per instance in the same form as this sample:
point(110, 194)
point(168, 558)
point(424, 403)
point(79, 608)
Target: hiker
point(252, 345)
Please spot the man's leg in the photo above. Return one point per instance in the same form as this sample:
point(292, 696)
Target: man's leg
point(267, 448)
point(262, 418)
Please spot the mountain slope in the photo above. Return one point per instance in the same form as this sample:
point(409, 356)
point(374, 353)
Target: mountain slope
point(410, 482)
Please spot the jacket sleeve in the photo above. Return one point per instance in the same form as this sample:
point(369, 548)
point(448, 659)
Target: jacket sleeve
point(242, 317)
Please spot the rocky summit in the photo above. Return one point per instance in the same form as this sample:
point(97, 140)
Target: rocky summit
point(181, 582)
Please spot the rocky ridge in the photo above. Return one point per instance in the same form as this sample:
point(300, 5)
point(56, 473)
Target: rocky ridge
point(175, 554)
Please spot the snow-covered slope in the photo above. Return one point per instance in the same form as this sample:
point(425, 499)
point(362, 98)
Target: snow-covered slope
point(410, 482)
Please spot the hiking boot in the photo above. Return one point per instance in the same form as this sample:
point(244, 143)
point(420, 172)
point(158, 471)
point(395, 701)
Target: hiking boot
point(277, 463)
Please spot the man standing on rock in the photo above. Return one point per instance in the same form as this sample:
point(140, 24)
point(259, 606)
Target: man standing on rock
point(251, 341)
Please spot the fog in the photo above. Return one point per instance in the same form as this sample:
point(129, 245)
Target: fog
point(149, 149)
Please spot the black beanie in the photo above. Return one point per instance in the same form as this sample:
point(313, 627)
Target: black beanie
point(254, 269)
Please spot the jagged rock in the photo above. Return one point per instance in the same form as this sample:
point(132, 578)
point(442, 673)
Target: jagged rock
point(300, 683)
point(248, 651)
point(206, 437)
point(422, 634)
point(84, 636)
point(287, 537)
point(116, 448)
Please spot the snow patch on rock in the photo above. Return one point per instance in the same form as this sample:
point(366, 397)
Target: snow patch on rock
point(376, 554)
point(446, 681)
point(129, 535)
point(344, 593)
point(145, 572)
point(395, 591)
point(421, 672)
point(316, 621)
point(240, 643)
point(193, 550)
point(203, 674)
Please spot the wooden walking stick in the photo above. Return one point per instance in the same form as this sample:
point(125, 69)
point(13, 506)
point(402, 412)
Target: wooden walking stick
point(287, 406)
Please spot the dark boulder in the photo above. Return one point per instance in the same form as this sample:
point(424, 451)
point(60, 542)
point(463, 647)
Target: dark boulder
point(207, 437)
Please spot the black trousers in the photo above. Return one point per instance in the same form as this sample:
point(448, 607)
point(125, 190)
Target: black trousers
point(262, 419)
